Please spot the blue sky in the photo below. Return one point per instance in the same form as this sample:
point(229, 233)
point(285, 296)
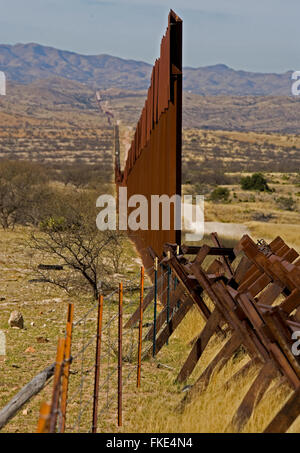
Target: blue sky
point(256, 35)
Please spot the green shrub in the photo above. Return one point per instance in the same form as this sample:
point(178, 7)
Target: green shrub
point(220, 194)
point(255, 182)
point(53, 224)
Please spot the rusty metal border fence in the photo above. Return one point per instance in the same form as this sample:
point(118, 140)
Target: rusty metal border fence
point(153, 165)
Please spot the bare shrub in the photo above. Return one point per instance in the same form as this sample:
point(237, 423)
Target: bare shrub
point(90, 257)
point(20, 187)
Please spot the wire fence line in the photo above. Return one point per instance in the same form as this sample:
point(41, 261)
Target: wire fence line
point(104, 356)
point(100, 362)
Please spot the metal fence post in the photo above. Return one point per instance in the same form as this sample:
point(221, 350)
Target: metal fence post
point(155, 304)
point(168, 293)
point(175, 279)
point(140, 328)
point(57, 384)
point(66, 369)
point(120, 354)
point(97, 365)
point(44, 418)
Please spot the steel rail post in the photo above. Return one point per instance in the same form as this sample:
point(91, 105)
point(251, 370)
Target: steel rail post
point(66, 370)
point(97, 365)
point(44, 418)
point(120, 333)
point(140, 329)
point(57, 384)
point(168, 293)
point(155, 304)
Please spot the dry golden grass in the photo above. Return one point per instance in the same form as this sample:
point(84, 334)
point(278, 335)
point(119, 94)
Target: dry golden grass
point(57, 143)
point(288, 232)
point(156, 410)
point(245, 206)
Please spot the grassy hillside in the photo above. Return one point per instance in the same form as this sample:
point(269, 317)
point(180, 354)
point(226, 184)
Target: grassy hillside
point(219, 151)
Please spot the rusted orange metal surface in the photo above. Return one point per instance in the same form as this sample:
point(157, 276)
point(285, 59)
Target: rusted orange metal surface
point(44, 418)
point(57, 384)
point(66, 368)
point(153, 165)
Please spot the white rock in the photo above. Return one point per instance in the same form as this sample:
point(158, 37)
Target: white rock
point(16, 320)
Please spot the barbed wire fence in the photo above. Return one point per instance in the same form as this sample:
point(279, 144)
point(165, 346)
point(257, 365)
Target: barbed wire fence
point(89, 381)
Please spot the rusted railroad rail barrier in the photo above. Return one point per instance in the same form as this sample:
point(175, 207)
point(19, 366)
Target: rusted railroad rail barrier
point(255, 291)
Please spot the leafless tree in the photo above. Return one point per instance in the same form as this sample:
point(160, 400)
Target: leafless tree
point(22, 184)
point(88, 255)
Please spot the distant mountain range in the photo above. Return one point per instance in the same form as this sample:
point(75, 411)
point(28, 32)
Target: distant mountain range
point(51, 86)
point(26, 63)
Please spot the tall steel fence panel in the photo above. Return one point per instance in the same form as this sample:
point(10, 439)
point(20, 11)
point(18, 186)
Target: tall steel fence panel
point(153, 165)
